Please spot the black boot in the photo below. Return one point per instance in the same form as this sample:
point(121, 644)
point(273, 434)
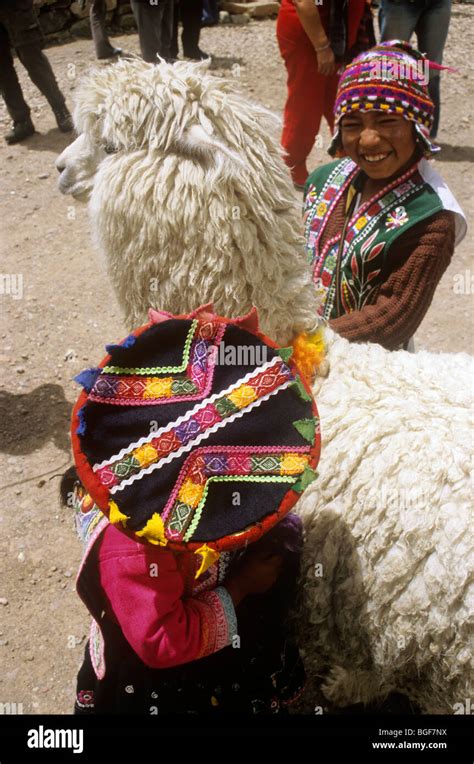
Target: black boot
point(63, 119)
point(20, 131)
point(196, 55)
point(113, 53)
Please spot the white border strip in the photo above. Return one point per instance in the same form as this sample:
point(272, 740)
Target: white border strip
point(187, 415)
point(201, 437)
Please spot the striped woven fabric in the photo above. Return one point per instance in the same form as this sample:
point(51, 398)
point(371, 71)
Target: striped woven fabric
point(196, 432)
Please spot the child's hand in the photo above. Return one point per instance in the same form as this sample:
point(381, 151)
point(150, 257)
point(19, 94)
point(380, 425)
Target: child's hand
point(256, 575)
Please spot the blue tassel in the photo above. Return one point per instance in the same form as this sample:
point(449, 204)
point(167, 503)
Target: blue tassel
point(88, 377)
point(127, 343)
point(81, 429)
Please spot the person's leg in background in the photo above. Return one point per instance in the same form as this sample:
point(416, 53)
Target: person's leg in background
point(25, 35)
point(155, 28)
point(399, 19)
point(103, 48)
point(329, 99)
point(10, 88)
point(355, 18)
point(167, 23)
point(191, 15)
point(432, 32)
point(11, 92)
point(174, 48)
point(210, 13)
point(148, 21)
point(306, 96)
point(41, 74)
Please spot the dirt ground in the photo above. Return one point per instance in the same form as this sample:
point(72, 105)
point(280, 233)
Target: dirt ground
point(66, 314)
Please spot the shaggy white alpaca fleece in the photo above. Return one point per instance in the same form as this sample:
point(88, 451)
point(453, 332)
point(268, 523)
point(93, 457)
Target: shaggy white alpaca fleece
point(195, 200)
point(197, 197)
point(387, 566)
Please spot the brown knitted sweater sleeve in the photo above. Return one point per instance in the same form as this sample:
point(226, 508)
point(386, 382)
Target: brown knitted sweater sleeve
point(417, 260)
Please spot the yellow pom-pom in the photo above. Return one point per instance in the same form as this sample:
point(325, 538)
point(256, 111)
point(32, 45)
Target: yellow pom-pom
point(115, 515)
point(309, 352)
point(209, 557)
point(154, 531)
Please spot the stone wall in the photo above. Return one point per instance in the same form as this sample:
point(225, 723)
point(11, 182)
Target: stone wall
point(61, 19)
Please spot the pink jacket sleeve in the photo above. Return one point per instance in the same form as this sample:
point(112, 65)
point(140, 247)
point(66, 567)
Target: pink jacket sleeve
point(144, 590)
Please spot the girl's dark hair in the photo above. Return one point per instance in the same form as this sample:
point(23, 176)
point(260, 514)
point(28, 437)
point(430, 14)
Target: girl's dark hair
point(66, 487)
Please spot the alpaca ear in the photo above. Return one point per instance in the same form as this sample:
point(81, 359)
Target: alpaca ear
point(200, 144)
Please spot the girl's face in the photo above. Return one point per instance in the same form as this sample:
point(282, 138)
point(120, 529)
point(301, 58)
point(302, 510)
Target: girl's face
point(381, 144)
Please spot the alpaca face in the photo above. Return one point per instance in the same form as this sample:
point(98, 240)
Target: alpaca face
point(189, 198)
point(77, 166)
point(164, 110)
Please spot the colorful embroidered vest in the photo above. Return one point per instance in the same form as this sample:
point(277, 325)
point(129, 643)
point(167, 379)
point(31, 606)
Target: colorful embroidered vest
point(370, 232)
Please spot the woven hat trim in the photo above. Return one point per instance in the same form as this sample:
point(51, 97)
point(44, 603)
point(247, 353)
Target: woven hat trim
point(180, 436)
point(213, 464)
point(199, 360)
point(295, 476)
point(159, 369)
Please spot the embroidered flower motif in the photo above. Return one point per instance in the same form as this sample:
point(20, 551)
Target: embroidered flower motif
point(158, 388)
point(321, 209)
point(146, 454)
point(85, 699)
point(293, 464)
point(397, 219)
point(361, 223)
point(243, 396)
point(191, 493)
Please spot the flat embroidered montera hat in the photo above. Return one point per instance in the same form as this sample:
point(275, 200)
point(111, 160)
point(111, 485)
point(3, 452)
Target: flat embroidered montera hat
point(196, 432)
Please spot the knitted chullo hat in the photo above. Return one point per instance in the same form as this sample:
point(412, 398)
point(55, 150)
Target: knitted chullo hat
point(391, 77)
point(196, 432)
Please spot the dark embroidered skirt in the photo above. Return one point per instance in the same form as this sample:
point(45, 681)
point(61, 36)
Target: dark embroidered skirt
point(263, 674)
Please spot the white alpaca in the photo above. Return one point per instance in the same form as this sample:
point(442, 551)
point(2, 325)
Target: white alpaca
point(197, 213)
point(191, 203)
point(388, 558)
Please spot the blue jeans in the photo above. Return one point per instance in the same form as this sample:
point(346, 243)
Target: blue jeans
point(430, 20)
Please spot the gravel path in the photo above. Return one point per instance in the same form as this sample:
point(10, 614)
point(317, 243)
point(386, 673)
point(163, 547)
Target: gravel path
point(68, 312)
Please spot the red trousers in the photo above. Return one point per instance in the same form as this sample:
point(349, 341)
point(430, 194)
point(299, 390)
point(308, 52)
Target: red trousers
point(311, 95)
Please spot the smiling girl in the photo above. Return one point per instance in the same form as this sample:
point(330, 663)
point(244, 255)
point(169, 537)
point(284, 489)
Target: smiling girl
point(380, 224)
